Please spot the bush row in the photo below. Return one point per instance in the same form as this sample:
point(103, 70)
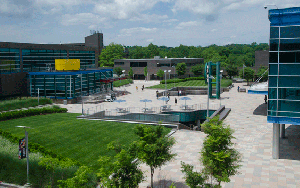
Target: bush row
point(122, 82)
point(23, 103)
point(181, 80)
point(34, 147)
point(30, 112)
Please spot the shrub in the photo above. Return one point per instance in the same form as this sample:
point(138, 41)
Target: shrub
point(23, 103)
point(181, 80)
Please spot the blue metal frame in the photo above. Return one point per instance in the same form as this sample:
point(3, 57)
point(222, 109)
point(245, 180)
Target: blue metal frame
point(284, 17)
point(68, 73)
point(284, 120)
point(258, 92)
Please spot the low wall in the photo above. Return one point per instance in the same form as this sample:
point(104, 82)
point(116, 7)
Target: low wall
point(189, 91)
point(69, 101)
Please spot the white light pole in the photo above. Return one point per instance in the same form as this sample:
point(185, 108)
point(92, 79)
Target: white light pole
point(80, 75)
point(123, 71)
point(207, 113)
point(243, 70)
point(165, 71)
point(174, 74)
point(27, 154)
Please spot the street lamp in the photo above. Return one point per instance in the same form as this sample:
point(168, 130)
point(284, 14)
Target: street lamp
point(221, 71)
point(208, 78)
point(27, 154)
point(165, 71)
point(123, 71)
point(80, 75)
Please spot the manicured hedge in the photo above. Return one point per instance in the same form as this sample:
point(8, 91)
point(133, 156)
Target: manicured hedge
point(181, 80)
point(30, 112)
point(34, 147)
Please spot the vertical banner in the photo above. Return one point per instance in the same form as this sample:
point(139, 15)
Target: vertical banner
point(22, 148)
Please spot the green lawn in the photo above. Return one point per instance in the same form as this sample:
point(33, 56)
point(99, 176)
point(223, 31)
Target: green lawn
point(120, 83)
point(79, 139)
point(199, 83)
point(7, 105)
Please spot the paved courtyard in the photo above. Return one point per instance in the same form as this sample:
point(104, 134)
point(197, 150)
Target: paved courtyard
point(253, 140)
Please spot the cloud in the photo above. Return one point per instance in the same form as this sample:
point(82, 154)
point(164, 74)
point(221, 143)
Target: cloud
point(14, 8)
point(213, 30)
point(81, 19)
point(150, 40)
point(183, 25)
point(171, 20)
point(149, 18)
point(130, 31)
point(120, 9)
point(232, 36)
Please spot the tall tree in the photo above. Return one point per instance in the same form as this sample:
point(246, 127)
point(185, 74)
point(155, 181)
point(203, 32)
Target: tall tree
point(218, 156)
point(232, 70)
point(153, 147)
point(130, 72)
point(118, 71)
point(110, 53)
point(248, 74)
point(152, 51)
point(262, 71)
point(181, 68)
point(145, 72)
point(160, 73)
point(198, 70)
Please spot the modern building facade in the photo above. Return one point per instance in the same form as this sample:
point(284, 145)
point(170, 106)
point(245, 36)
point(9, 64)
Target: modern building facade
point(27, 68)
point(153, 65)
point(284, 72)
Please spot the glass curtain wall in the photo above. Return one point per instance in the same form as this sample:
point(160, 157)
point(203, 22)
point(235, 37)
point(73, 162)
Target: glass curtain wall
point(41, 60)
point(87, 58)
point(284, 71)
point(9, 60)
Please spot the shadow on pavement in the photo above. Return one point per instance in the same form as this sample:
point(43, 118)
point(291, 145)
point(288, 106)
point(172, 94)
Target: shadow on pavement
point(167, 183)
point(261, 110)
point(290, 146)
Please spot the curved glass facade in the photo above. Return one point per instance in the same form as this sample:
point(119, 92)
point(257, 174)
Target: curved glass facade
point(284, 71)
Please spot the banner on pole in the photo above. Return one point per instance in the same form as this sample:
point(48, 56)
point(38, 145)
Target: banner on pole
point(22, 148)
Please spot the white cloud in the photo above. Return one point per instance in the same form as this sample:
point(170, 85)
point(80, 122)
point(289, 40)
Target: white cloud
point(171, 20)
point(81, 18)
point(213, 30)
point(150, 40)
point(184, 25)
point(232, 36)
point(7, 7)
point(149, 18)
point(130, 31)
point(120, 9)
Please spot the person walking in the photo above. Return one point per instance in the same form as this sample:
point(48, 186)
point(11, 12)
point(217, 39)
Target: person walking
point(169, 96)
point(178, 93)
point(136, 88)
point(157, 94)
point(266, 99)
point(175, 101)
point(238, 89)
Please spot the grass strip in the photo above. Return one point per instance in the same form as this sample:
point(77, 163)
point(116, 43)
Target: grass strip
point(7, 105)
point(120, 83)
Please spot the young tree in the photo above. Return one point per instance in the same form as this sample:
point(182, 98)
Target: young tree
point(153, 147)
point(181, 68)
point(192, 179)
point(160, 73)
point(248, 74)
point(262, 71)
point(118, 70)
point(232, 70)
point(109, 54)
point(198, 69)
point(218, 156)
point(145, 72)
point(130, 72)
point(120, 171)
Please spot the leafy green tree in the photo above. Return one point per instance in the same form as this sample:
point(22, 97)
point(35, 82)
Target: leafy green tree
point(137, 52)
point(232, 70)
point(120, 171)
point(263, 70)
point(145, 72)
point(248, 74)
point(153, 147)
point(181, 68)
point(160, 73)
point(130, 72)
point(198, 70)
point(193, 179)
point(110, 53)
point(218, 156)
point(84, 177)
point(152, 51)
point(118, 70)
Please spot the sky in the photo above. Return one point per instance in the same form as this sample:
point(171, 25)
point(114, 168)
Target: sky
point(138, 22)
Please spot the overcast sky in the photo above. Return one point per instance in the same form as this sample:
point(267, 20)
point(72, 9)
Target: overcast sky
point(138, 22)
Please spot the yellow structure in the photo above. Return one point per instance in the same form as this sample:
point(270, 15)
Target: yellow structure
point(67, 64)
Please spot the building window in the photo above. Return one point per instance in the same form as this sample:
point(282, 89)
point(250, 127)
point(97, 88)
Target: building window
point(119, 63)
point(138, 64)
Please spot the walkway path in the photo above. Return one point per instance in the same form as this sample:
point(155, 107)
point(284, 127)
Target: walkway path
point(253, 140)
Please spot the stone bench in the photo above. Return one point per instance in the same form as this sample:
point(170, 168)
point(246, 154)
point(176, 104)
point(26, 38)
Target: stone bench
point(242, 89)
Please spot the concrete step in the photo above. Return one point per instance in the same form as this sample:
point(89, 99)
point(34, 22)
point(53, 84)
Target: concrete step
point(224, 113)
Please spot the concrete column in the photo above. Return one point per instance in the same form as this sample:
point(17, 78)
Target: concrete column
point(282, 131)
point(275, 144)
point(198, 124)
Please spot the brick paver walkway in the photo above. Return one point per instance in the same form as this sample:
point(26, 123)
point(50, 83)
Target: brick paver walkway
point(253, 140)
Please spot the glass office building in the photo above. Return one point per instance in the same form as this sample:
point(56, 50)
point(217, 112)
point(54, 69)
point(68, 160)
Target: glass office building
point(284, 66)
point(9, 60)
point(284, 72)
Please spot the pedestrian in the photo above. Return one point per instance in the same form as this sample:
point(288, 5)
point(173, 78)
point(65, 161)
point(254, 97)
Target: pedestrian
point(136, 88)
point(238, 89)
point(266, 99)
point(175, 101)
point(169, 96)
point(179, 92)
point(157, 94)
point(143, 88)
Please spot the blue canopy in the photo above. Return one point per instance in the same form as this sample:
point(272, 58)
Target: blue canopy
point(185, 98)
point(145, 100)
point(120, 100)
point(164, 98)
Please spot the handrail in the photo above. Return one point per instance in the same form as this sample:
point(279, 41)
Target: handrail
point(259, 78)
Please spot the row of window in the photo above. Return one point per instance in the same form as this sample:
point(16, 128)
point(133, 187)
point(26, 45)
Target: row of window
point(285, 45)
point(284, 57)
point(138, 64)
point(285, 32)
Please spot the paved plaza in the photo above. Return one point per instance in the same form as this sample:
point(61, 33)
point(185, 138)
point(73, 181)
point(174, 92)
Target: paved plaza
point(253, 140)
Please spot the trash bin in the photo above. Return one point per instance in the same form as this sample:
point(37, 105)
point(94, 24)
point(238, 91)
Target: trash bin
point(65, 102)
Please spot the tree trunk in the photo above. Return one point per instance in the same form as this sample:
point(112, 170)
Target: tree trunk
point(152, 172)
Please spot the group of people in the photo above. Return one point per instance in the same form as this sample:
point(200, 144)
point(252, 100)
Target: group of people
point(143, 87)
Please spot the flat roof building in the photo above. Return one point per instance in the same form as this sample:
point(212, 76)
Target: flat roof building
point(153, 65)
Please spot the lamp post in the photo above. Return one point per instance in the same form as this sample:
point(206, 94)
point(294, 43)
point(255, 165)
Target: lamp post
point(207, 113)
point(27, 154)
point(221, 71)
point(80, 75)
point(174, 74)
point(165, 71)
point(123, 71)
